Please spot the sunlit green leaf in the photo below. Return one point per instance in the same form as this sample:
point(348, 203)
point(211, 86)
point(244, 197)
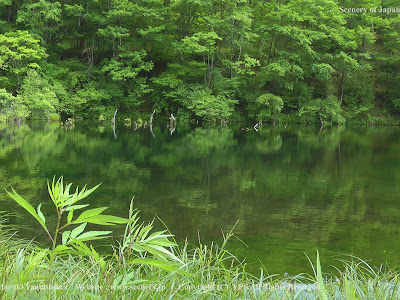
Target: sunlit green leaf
point(40, 214)
point(27, 207)
point(78, 230)
point(89, 214)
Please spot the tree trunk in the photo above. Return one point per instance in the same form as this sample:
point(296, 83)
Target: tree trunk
point(90, 59)
point(342, 82)
point(363, 46)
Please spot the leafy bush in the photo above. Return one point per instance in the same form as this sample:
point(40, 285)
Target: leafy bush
point(210, 107)
point(38, 96)
point(326, 110)
point(11, 107)
point(268, 106)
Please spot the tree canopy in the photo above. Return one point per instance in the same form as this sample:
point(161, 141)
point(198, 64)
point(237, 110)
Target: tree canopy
point(205, 59)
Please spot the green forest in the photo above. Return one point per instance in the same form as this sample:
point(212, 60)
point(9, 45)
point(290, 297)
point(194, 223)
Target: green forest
point(308, 61)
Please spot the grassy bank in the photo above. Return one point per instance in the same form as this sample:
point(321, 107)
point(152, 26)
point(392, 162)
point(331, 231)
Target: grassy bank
point(146, 264)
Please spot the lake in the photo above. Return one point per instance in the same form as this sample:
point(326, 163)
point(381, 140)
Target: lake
point(290, 190)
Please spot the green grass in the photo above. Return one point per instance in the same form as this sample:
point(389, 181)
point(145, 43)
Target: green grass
point(143, 264)
point(206, 271)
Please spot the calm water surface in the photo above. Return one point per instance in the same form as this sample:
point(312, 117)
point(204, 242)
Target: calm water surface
point(293, 190)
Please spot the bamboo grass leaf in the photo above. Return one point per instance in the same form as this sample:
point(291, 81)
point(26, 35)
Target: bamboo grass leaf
point(89, 214)
point(162, 242)
point(84, 193)
point(160, 252)
point(134, 282)
point(81, 248)
point(145, 231)
point(70, 216)
point(75, 207)
point(29, 208)
point(50, 189)
point(56, 189)
point(158, 234)
point(65, 236)
point(127, 278)
point(169, 266)
point(117, 281)
point(40, 214)
point(105, 220)
point(349, 288)
point(62, 248)
point(323, 295)
point(67, 188)
point(78, 230)
point(92, 235)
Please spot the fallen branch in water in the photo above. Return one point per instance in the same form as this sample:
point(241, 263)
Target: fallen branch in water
point(115, 113)
point(173, 119)
point(151, 130)
point(151, 117)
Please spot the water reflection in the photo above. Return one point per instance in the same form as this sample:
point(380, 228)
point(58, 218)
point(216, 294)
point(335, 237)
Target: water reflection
point(293, 189)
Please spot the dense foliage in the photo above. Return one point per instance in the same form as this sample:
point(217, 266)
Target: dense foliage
point(290, 60)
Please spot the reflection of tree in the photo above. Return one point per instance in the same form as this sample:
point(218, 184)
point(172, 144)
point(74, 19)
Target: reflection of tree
point(125, 175)
point(292, 189)
point(197, 199)
point(12, 158)
point(30, 156)
point(302, 201)
point(198, 143)
point(195, 163)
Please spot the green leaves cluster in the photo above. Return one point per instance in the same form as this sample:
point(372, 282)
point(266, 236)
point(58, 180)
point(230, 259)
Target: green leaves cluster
point(210, 107)
point(268, 106)
point(11, 107)
point(136, 241)
point(19, 52)
point(65, 201)
point(327, 111)
point(126, 68)
point(38, 95)
point(139, 246)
